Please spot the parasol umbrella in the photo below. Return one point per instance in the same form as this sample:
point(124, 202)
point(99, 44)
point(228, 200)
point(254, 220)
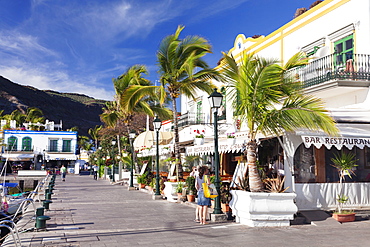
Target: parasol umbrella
point(147, 139)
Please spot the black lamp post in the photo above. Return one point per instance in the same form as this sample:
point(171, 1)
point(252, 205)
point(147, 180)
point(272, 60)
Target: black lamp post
point(113, 144)
point(131, 138)
point(157, 123)
point(215, 100)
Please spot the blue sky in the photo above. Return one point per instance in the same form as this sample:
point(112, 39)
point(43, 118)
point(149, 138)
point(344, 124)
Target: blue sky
point(79, 46)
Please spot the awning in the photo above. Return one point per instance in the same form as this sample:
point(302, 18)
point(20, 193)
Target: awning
point(163, 150)
point(209, 148)
point(147, 139)
point(18, 157)
point(351, 135)
point(60, 156)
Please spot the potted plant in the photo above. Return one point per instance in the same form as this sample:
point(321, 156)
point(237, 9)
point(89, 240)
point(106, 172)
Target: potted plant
point(179, 188)
point(225, 197)
point(231, 138)
point(151, 184)
point(344, 163)
point(141, 180)
point(199, 137)
point(190, 185)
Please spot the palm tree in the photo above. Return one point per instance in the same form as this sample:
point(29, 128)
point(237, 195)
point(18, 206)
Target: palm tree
point(34, 115)
point(134, 95)
point(182, 70)
point(93, 132)
point(269, 101)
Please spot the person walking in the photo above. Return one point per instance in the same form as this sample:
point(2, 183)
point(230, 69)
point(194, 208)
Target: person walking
point(203, 202)
point(63, 171)
point(194, 173)
point(95, 170)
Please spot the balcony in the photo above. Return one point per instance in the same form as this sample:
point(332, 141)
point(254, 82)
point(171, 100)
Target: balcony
point(59, 149)
point(188, 119)
point(341, 70)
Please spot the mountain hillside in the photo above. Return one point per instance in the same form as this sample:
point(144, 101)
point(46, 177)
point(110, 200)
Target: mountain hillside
point(73, 109)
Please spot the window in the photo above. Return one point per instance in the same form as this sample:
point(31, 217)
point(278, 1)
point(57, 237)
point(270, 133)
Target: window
point(12, 143)
point(66, 146)
point(26, 144)
point(343, 50)
point(199, 112)
point(53, 146)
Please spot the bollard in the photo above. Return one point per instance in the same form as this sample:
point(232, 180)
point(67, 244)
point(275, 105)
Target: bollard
point(47, 191)
point(41, 221)
point(46, 203)
point(48, 196)
point(39, 211)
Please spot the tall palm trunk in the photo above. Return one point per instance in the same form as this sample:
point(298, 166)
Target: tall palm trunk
point(177, 140)
point(137, 168)
point(255, 183)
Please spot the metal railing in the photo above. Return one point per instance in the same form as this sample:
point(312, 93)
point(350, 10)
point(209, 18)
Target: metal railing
point(334, 67)
point(188, 119)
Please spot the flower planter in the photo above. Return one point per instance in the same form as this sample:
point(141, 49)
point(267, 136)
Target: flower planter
point(344, 217)
point(170, 191)
point(225, 207)
point(259, 209)
point(231, 141)
point(191, 198)
point(199, 141)
point(141, 186)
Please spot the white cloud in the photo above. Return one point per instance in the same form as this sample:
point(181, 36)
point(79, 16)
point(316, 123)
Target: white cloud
point(56, 81)
point(23, 45)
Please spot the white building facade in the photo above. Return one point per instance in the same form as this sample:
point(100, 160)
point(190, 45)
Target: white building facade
point(35, 150)
point(335, 34)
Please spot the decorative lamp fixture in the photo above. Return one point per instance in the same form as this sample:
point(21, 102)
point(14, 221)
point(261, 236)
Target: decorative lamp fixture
point(215, 99)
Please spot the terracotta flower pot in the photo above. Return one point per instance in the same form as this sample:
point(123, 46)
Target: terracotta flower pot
point(344, 217)
point(191, 198)
point(142, 186)
point(225, 207)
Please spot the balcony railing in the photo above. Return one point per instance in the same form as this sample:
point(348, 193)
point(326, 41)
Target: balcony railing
point(188, 119)
point(334, 67)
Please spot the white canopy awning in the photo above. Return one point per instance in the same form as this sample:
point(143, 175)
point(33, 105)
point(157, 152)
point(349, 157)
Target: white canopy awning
point(163, 150)
point(209, 148)
point(351, 135)
point(147, 139)
point(18, 157)
point(60, 156)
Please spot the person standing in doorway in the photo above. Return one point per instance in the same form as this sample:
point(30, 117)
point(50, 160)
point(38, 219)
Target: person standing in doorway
point(63, 171)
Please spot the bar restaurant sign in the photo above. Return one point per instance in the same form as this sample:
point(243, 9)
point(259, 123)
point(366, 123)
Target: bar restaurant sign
point(337, 142)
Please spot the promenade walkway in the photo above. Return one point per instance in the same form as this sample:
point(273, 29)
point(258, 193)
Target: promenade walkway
point(86, 212)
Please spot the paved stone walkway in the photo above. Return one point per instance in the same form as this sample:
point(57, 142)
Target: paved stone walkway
point(86, 212)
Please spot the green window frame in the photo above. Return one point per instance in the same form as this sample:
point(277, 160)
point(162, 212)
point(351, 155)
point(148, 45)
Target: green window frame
point(12, 143)
point(199, 112)
point(66, 146)
point(27, 144)
point(343, 50)
point(53, 146)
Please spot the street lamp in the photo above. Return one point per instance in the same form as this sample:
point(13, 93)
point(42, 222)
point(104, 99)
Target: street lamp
point(215, 100)
point(131, 138)
point(157, 123)
point(113, 144)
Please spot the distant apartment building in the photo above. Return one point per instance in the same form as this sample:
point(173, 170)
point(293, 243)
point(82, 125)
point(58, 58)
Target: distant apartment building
point(36, 150)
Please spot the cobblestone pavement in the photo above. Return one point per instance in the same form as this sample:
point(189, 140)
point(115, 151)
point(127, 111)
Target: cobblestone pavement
point(86, 212)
